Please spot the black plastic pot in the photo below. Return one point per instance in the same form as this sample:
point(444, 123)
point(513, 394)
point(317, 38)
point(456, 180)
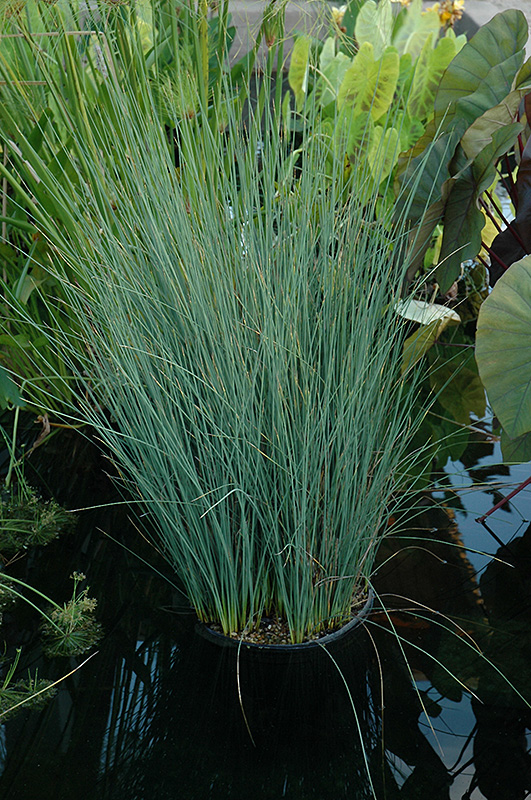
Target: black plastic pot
point(330, 639)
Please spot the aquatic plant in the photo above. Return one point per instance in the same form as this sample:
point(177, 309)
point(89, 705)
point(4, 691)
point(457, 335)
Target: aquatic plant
point(69, 629)
point(476, 108)
point(244, 361)
point(32, 691)
point(72, 629)
point(26, 520)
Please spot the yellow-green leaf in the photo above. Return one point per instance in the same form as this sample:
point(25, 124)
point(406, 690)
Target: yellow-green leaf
point(374, 25)
point(369, 84)
point(418, 344)
point(419, 26)
point(383, 152)
point(299, 68)
point(428, 71)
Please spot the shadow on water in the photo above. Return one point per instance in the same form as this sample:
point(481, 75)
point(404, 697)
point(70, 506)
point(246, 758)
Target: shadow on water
point(157, 712)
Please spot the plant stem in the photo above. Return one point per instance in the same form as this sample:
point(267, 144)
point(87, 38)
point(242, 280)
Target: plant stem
point(504, 500)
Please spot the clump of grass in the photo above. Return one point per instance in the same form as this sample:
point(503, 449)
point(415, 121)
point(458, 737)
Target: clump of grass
point(250, 356)
point(241, 355)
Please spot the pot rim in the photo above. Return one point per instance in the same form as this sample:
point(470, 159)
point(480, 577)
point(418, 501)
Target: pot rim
point(222, 640)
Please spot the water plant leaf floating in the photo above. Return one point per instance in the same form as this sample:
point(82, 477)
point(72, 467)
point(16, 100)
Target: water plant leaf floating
point(482, 73)
point(503, 348)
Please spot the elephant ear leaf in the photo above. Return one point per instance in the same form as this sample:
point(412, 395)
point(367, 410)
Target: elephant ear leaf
point(429, 68)
point(503, 348)
point(369, 83)
point(419, 28)
point(299, 69)
point(463, 221)
point(482, 73)
point(374, 24)
point(516, 451)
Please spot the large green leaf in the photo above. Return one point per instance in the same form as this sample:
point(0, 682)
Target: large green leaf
point(503, 348)
point(454, 377)
point(374, 25)
point(419, 28)
point(383, 152)
point(480, 133)
point(433, 320)
point(432, 169)
point(369, 83)
point(353, 135)
point(463, 221)
point(460, 393)
point(333, 68)
point(299, 68)
point(514, 242)
point(482, 73)
point(429, 68)
point(516, 451)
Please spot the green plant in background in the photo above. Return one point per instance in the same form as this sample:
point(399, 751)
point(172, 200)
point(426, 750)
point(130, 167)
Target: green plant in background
point(476, 108)
point(375, 66)
point(383, 87)
point(411, 67)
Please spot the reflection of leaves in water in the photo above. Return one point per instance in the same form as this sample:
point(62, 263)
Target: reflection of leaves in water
point(481, 474)
point(480, 446)
point(503, 765)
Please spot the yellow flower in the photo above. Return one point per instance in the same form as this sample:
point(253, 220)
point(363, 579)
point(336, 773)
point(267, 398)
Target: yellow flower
point(338, 14)
point(450, 11)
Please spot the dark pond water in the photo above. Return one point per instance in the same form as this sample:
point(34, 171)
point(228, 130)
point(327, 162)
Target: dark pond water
point(157, 712)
